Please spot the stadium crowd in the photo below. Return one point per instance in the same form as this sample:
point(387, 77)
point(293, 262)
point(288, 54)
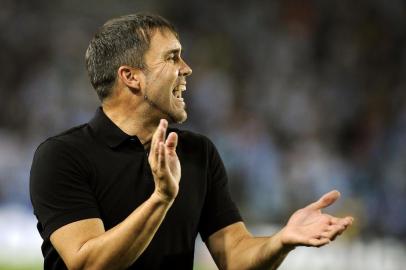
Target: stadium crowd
point(300, 97)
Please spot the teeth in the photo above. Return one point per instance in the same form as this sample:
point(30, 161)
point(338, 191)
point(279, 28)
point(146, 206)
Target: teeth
point(177, 93)
point(181, 87)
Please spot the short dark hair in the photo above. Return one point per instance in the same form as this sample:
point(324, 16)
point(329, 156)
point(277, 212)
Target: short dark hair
point(121, 41)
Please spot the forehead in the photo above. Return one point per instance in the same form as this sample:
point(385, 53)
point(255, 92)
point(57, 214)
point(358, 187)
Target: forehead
point(163, 41)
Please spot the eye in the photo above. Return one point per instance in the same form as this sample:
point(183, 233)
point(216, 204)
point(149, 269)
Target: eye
point(173, 57)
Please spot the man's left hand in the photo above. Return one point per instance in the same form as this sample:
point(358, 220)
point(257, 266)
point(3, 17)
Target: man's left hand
point(310, 227)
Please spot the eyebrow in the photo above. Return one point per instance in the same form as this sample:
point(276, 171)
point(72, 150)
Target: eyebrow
point(175, 51)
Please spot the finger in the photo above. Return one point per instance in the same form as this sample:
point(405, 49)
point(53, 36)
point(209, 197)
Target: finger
point(172, 141)
point(326, 200)
point(154, 145)
point(332, 220)
point(339, 233)
point(159, 136)
point(348, 220)
point(163, 125)
point(315, 242)
point(161, 157)
point(333, 231)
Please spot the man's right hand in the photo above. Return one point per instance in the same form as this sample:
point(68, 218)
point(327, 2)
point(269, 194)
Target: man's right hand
point(165, 163)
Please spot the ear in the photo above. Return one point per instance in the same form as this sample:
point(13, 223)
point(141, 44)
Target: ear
point(131, 77)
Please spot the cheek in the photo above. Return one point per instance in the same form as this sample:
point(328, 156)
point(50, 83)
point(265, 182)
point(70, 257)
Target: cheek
point(163, 82)
point(170, 73)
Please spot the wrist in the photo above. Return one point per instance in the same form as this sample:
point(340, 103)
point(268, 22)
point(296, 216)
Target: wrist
point(162, 198)
point(280, 242)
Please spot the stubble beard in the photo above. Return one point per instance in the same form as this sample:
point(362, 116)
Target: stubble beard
point(172, 117)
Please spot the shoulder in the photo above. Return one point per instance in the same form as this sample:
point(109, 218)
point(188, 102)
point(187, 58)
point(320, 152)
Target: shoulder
point(197, 147)
point(70, 136)
point(67, 144)
point(57, 159)
point(192, 139)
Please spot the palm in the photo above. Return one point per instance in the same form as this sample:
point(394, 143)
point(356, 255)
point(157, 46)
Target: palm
point(164, 162)
point(305, 217)
point(310, 227)
point(173, 166)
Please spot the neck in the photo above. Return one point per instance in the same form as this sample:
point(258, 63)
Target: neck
point(131, 121)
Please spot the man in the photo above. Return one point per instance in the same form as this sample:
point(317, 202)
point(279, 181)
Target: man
point(108, 195)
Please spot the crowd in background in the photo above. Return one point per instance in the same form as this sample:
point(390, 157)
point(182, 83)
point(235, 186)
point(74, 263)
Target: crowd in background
point(300, 97)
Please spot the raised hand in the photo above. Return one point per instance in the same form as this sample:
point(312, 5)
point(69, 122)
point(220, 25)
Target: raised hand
point(310, 227)
point(164, 162)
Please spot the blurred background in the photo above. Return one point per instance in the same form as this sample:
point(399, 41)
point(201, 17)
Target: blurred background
point(300, 97)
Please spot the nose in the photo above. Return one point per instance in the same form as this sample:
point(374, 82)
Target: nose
point(185, 70)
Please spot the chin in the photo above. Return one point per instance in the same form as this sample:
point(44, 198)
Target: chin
point(179, 118)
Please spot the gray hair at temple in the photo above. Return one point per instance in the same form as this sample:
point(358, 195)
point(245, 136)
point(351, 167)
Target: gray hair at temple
point(121, 41)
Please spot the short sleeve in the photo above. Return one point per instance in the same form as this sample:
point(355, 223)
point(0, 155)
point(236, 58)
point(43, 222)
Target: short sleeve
point(59, 187)
point(219, 209)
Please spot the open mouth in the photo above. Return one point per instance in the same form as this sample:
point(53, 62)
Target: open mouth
point(177, 92)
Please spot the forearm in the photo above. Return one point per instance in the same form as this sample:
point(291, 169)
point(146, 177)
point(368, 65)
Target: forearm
point(120, 246)
point(258, 253)
point(233, 247)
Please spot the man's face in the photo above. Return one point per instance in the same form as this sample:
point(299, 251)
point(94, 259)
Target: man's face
point(166, 76)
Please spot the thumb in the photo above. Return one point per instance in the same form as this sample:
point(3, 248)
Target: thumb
point(326, 200)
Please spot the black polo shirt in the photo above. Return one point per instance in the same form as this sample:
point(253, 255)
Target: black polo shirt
point(97, 171)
